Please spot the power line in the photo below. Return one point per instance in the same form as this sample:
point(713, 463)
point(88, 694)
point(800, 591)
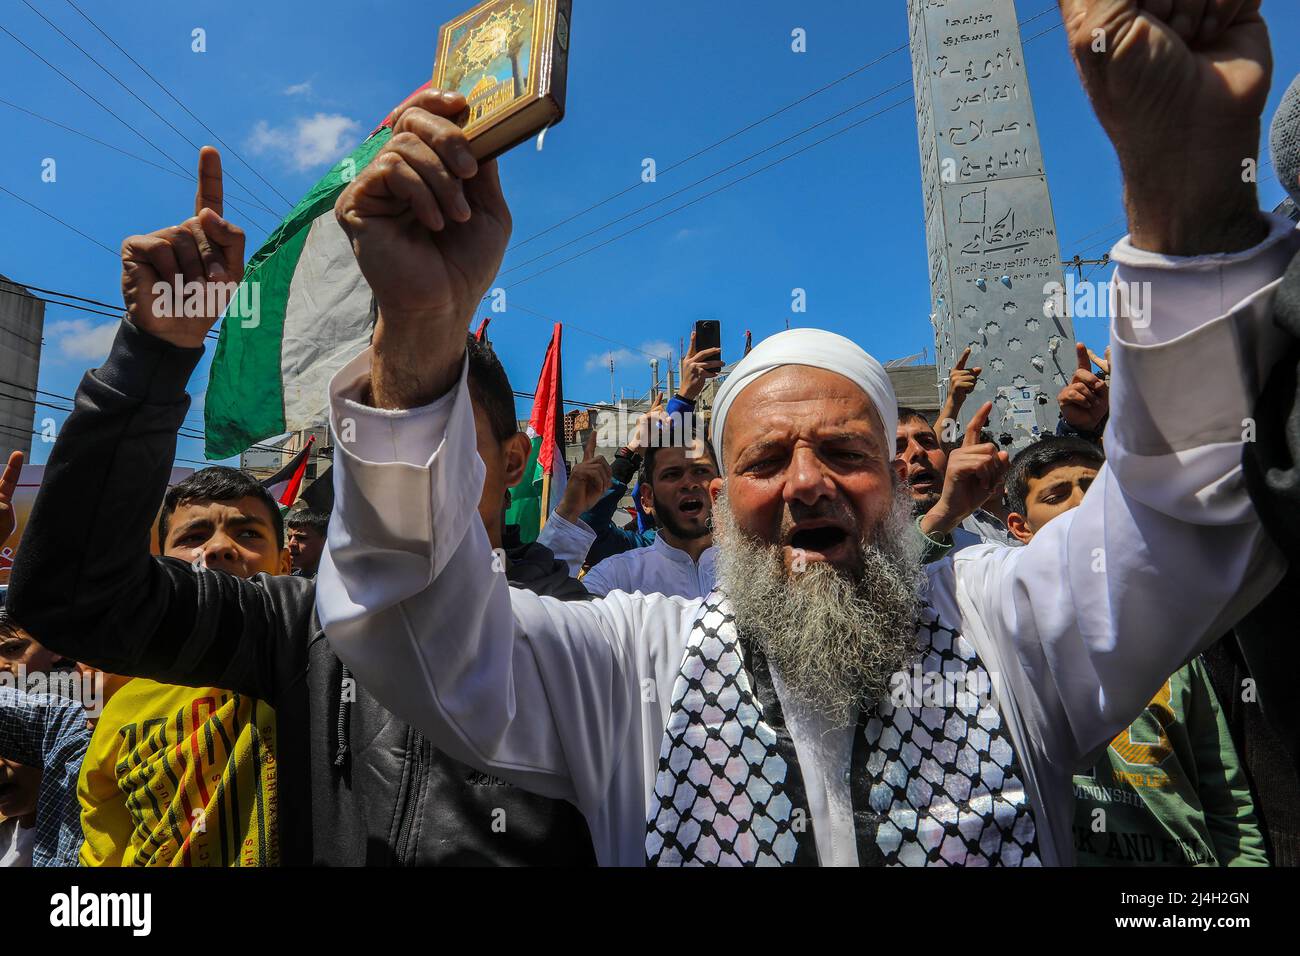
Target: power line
point(56, 218)
point(741, 179)
point(112, 76)
point(182, 432)
point(745, 129)
point(235, 201)
point(66, 305)
point(712, 146)
point(93, 99)
point(209, 335)
point(713, 175)
point(64, 295)
point(169, 93)
point(713, 192)
point(594, 335)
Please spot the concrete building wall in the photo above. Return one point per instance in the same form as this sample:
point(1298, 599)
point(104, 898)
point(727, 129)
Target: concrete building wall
point(22, 322)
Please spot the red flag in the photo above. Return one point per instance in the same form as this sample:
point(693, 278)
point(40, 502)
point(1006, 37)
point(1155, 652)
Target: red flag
point(284, 484)
point(544, 476)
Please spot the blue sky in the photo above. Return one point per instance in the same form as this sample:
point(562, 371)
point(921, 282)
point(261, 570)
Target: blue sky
point(292, 86)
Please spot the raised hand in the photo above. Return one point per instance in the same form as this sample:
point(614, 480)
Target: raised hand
point(429, 227)
point(1085, 401)
point(1103, 362)
point(588, 481)
point(974, 470)
point(1179, 86)
point(961, 382)
point(655, 418)
point(204, 249)
point(698, 368)
point(8, 485)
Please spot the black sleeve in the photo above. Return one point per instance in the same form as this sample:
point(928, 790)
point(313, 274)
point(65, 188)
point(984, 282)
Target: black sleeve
point(85, 584)
point(625, 465)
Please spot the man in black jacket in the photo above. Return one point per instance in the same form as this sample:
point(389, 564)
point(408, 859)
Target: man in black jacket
point(356, 784)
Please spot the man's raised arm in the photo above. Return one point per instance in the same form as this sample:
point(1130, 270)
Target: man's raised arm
point(1166, 551)
point(538, 691)
point(84, 583)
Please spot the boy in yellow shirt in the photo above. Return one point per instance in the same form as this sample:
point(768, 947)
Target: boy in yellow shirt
point(183, 776)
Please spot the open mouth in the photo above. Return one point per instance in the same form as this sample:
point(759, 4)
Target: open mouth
point(690, 507)
point(923, 481)
point(819, 539)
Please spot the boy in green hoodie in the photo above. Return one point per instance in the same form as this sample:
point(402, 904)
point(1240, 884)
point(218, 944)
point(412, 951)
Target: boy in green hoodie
point(1169, 790)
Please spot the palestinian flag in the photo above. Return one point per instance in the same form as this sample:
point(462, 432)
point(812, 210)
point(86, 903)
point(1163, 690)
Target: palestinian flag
point(545, 474)
point(301, 314)
point(286, 482)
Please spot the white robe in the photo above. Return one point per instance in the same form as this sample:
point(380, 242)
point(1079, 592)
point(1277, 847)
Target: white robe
point(1079, 628)
point(658, 568)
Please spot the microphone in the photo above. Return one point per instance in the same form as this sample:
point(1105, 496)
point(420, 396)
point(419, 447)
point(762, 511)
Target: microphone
point(1284, 141)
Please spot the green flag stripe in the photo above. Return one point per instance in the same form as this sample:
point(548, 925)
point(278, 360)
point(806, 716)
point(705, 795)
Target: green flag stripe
point(245, 397)
point(526, 497)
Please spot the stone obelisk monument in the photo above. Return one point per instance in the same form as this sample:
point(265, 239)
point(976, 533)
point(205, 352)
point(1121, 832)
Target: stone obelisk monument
point(993, 251)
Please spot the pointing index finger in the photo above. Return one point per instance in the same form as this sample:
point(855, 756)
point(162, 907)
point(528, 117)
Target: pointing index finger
point(9, 479)
point(1081, 357)
point(210, 192)
point(589, 449)
point(977, 425)
point(961, 362)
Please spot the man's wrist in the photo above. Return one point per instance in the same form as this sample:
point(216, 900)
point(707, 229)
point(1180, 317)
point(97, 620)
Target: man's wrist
point(1198, 202)
point(568, 512)
point(148, 367)
point(404, 371)
point(942, 539)
point(937, 523)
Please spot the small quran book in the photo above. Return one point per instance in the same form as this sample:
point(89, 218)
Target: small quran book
point(510, 60)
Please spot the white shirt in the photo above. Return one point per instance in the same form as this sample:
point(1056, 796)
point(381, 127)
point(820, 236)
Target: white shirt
point(16, 843)
point(985, 528)
point(657, 568)
point(1078, 629)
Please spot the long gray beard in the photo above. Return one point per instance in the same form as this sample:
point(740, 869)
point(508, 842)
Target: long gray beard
point(835, 639)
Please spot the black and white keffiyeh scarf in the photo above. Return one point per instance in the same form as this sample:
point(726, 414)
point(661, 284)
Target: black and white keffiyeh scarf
point(930, 785)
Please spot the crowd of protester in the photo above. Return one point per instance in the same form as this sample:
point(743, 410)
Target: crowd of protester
point(431, 690)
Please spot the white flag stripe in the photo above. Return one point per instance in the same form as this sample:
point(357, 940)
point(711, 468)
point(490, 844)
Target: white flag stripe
point(326, 322)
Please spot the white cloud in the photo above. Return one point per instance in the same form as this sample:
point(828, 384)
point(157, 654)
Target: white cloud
point(298, 89)
point(79, 339)
point(627, 357)
point(308, 141)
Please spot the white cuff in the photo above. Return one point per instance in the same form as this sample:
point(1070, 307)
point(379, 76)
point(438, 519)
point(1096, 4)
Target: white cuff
point(381, 435)
point(568, 540)
point(407, 483)
point(1156, 298)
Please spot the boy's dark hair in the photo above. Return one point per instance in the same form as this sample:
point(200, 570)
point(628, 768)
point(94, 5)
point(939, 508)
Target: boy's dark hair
point(9, 628)
point(1041, 457)
point(317, 521)
point(489, 386)
point(218, 483)
point(906, 414)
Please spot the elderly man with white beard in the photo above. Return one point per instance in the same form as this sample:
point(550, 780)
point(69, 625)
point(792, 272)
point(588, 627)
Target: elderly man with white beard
point(761, 724)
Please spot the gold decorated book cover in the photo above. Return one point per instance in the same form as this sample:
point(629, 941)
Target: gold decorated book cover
point(509, 58)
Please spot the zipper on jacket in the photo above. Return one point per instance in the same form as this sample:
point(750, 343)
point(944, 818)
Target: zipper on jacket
point(414, 786)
